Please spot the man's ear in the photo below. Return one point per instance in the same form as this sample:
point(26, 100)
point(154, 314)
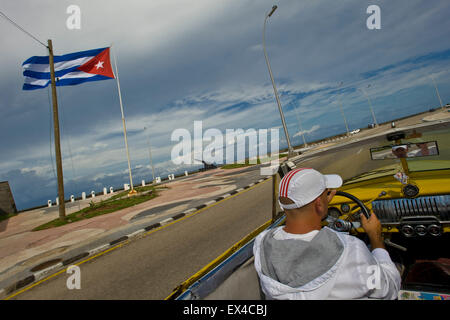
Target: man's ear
point(318, 205)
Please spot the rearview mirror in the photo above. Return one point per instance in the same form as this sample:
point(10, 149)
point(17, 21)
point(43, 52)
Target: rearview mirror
point(407, 150)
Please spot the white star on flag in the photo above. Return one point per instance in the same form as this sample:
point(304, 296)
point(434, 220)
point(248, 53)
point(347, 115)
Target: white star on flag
point(99, 65)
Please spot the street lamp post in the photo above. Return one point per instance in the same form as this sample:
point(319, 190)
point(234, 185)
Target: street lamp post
point(290, 149)
point(437, 92)
point(342, 110)
point(300, 127)
point(370, 106)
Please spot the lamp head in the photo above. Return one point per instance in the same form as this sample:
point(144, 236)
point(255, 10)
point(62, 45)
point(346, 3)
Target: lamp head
point(272, 11)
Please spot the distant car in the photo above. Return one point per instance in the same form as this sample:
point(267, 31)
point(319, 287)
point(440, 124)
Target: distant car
point(355, 131)
point(393, 124)
point(371, 125)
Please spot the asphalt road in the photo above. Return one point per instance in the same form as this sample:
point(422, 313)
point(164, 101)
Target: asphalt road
point(152, 266)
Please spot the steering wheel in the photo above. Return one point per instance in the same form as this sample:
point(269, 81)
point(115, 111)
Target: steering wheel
point(360, 204)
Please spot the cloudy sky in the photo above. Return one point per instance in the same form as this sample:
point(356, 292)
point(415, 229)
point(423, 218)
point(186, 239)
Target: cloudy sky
point(186, 61)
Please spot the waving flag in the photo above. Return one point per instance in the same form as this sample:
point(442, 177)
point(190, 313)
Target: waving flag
point(70, 69)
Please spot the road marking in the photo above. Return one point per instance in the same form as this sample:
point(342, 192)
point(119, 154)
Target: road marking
point(41, 274)
point(165, 221)
point(136, 233)
point(169, 223)
point(98, 249)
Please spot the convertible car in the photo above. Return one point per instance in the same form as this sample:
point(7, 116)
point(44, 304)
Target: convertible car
point(403, 175)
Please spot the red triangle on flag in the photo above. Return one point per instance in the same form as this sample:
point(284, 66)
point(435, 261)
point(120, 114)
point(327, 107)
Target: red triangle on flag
point(100, 64)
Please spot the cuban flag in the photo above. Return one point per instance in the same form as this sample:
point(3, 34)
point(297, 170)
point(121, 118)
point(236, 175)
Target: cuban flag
point(70, 69)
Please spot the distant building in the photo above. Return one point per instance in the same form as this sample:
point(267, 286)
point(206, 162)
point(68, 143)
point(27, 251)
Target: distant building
point(7, 204)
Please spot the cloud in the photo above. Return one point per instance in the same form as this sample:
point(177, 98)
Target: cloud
point(313, 129)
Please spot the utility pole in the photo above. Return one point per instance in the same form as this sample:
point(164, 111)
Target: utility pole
point(300, 126)
point(59, 170)
point(370, 106)
point(342, 109)
point(437, 93)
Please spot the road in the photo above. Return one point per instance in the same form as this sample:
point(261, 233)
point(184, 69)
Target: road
point(151, 267)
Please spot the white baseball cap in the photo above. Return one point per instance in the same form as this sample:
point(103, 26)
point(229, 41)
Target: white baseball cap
point(304, 185)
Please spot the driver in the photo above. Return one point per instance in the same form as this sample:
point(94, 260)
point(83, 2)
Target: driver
point(400, 151)
point(302, 260)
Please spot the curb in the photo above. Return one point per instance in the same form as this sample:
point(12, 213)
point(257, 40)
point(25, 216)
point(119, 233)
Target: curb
point(39, 275)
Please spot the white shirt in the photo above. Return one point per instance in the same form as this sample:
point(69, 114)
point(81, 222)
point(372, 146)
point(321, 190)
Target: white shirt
point(358, 273)
point(280, 234)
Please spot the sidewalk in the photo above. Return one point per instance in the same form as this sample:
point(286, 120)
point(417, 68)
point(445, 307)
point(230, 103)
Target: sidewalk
point(22, 249)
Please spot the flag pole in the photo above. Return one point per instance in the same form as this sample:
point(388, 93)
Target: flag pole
point(124, 126)
point(150, 153)
point(59, 170)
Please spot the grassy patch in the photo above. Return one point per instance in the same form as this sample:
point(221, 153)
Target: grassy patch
point(115, 203)
point(248, 164)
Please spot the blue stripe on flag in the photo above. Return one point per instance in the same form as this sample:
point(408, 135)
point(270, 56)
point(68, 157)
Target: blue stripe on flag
point(27, 86)
point(66, 57)
point(46, 75)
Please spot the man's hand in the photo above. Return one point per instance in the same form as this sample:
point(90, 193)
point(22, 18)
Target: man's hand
point(372, 226)
point(331, 194)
